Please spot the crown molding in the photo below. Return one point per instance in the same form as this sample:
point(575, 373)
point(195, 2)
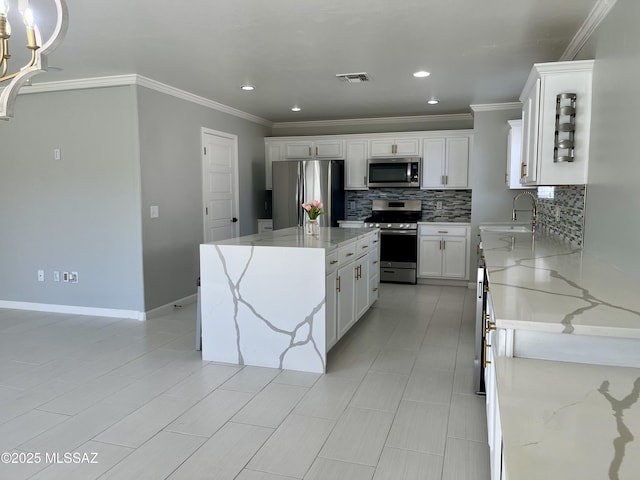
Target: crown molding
point(596, 16)
point(493, 107)
point(139, 80)
point(376, 121)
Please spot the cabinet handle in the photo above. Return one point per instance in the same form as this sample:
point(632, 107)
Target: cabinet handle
point(375, 289)
point(349, 254)
point(442, 179)
point(444, 244)
point(440, 245)
point(375, 261)
point(446, 179)
point(365, 246)
point(316, 150)
point(443, 231)
point(375, 241)
point(333, 262)
point(309, 151)
point(523, 167)
point(338, 284)
point(485, 362)
point(490, 326)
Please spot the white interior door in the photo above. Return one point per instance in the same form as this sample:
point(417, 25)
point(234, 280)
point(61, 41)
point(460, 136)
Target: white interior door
point(220, 185)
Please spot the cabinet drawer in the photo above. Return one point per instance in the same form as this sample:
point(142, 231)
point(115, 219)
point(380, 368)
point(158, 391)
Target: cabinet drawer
point(374, 263)
point(331, 263)
point(443, 230)
point(347, 254)
point(363, 245)
point(375, 240)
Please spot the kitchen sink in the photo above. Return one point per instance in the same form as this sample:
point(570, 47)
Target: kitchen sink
point(506, 228)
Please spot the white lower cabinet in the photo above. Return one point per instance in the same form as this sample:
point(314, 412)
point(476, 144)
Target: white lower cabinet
point(362, 285)
point(354, 284)
point(494, 426)
point(330, 308)
point(346, 297)
point(443, 251)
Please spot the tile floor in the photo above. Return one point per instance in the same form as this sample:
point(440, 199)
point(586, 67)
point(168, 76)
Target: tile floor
point(397, 402)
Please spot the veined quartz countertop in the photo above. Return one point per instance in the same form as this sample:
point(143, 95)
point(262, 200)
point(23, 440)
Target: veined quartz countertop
point(569, 420)
point(539, 283)
point(329, 238)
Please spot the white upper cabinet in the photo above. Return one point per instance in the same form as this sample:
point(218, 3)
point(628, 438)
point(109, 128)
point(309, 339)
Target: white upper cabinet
point(514, 155)
point(333, 149)
point(357, 154)
point(547, 120)
point(445, 162)
point(401, 147)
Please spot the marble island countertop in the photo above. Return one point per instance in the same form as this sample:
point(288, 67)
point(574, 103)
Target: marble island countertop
point(542, 284)
point(569, 420)
point(329, 238)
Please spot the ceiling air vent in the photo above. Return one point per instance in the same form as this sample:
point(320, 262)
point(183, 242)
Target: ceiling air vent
point(354, 77)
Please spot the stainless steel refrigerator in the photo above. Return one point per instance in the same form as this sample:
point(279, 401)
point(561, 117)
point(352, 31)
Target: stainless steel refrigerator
point(299, 181)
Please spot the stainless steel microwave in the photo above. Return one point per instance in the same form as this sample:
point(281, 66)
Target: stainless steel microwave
point(394, 172)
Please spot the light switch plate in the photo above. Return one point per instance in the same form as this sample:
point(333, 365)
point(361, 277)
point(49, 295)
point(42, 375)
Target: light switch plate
point(155, 213)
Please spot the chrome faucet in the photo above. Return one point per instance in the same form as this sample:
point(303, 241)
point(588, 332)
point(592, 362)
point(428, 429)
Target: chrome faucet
point(534, 209)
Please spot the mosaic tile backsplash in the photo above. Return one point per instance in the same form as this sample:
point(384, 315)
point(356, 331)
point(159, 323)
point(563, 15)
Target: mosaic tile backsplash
point(563, 215)
point(456, 204)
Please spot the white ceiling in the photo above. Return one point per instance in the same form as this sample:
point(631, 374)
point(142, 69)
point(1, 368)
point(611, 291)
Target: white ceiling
point(478, 51)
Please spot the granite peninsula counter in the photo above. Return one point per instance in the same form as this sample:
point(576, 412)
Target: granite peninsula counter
point(264, 297)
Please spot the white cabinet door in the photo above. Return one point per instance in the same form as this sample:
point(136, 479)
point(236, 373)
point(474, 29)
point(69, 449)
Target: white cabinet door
point(514, 155)
point(331, 309)
point(273, 153)
point(430, 256)
point(301, 149)
point(530, 110)
point(457, 162)
point(357, 153)
point(346, 297)
point(329, 149)
point(433, 162)
point(454, 257)
point(362, 286)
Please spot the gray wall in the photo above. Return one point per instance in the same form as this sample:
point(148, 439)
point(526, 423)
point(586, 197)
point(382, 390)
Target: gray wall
point(612, 225)
point(77, 214)
point(171, 166)
point(492, 200)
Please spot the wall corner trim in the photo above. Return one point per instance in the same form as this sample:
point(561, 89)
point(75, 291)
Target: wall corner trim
point(595, 17)
point(141, 81)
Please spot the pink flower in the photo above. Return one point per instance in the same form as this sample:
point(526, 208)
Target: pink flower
point(313, 208)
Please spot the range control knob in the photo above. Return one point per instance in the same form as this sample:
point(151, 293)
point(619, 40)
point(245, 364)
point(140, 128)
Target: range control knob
point(388, 225)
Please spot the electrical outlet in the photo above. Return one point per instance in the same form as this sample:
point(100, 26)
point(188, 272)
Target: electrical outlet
point(438, 205)
point(65, 277)
point(73, 277)
point(557, 214)
point(352, 205)
point(56, 276)
point(41, 275)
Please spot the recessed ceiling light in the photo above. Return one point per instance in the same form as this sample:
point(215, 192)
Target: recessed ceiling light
point(433, 101)
point(247, 88)
point(421, 74)
point(295, 109)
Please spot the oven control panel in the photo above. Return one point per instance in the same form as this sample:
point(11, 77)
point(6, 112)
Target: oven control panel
point(393, 226)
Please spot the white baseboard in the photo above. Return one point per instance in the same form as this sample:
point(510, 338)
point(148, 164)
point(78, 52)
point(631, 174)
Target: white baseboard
point(170, 307)
point(442, 282)
point(72, 309)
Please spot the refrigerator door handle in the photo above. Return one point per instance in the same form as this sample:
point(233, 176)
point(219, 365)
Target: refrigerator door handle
point(301, 192)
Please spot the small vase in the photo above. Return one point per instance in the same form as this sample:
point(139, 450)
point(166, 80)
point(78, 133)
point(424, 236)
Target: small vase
point(312, 227)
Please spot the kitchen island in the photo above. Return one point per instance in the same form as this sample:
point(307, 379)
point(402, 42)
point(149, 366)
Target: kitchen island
point(267, 299)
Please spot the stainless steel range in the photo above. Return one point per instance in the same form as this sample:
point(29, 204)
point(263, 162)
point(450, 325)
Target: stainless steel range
point(398, 224)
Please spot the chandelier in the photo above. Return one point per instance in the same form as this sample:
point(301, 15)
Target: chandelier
point(14, 78)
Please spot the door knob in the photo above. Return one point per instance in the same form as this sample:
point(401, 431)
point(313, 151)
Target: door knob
point(234, 219)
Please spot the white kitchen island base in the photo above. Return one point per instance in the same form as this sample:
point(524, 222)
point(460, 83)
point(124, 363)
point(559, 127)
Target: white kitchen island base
point(264, 298)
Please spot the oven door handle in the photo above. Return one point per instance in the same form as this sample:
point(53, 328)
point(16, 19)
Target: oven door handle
point(399, 232)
